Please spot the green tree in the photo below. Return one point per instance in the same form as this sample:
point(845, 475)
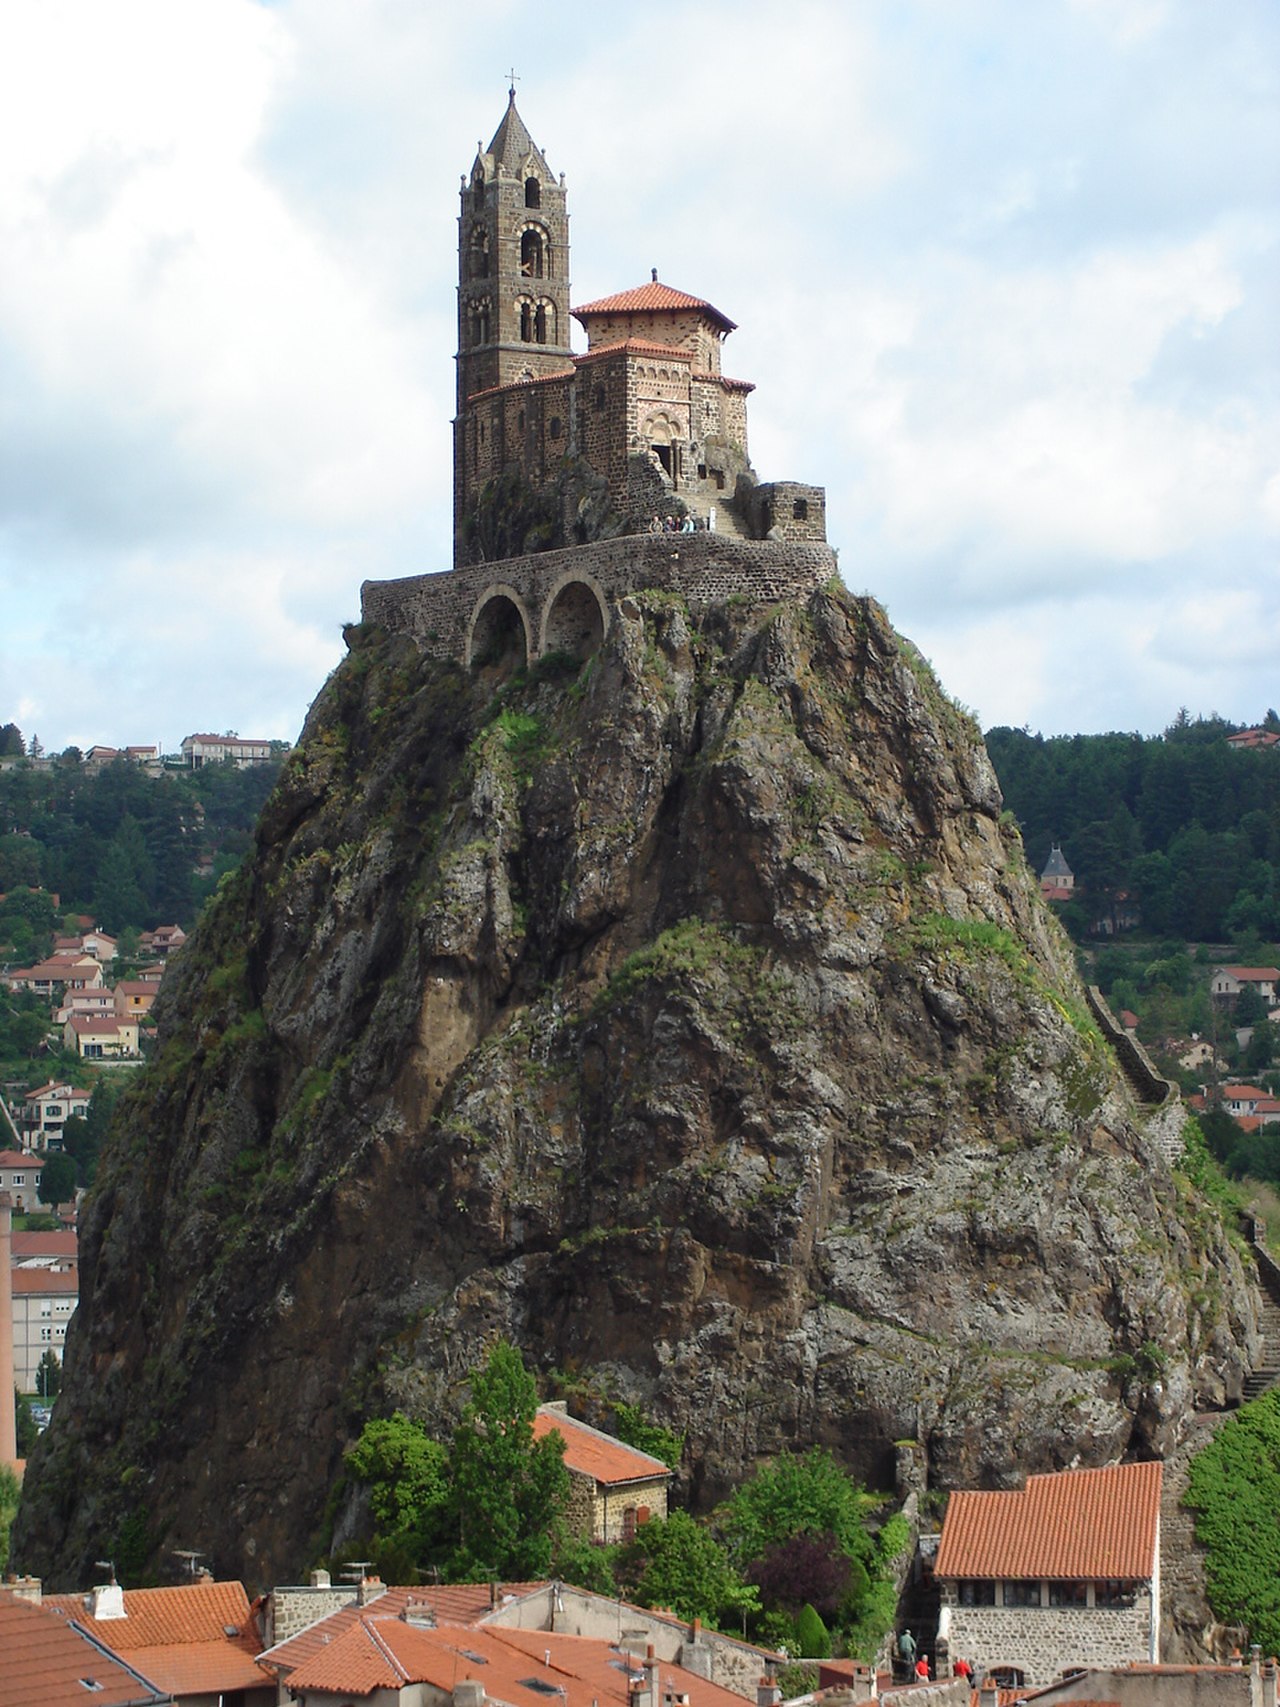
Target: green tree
point(677, 1562)
point(57, 1179)
point(9, 1495)
point(796, 1494)
point(584, 1563)
point(1234, 1490)
point(633, 1426)
point(407, 1474)
point(812, 1636)
point(12, 746)
point(24, 1424)
point(508, 1488)
point(48, 1374)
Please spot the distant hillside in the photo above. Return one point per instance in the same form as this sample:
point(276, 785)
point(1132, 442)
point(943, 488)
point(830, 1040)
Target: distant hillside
point(1183, 822)
point(129, 848)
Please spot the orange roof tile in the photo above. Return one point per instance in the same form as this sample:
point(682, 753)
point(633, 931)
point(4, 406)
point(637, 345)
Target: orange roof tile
point(49, 1661)
point(636, 346)
point(1072, 1524)
point(593, 1453)
point(28, 1282)
point(457, 1604)
point(179, 1636)
point(652, 298)
point(519, 1667)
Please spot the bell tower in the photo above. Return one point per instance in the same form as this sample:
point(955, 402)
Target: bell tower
point(513, 265)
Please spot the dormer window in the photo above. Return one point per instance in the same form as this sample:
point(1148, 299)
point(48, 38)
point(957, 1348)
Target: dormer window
point(532, 193)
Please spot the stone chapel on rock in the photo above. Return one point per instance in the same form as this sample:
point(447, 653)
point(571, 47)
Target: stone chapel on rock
point(647, 410)
point(561, 461)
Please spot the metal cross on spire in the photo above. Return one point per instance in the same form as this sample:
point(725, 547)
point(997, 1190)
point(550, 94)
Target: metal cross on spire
point(513, 81)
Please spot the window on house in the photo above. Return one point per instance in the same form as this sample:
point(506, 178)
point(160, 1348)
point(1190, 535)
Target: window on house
point(46, 1309)
point(46, 1333)
point(978, 1593)
point(1114, 1596)
point(532, 193)
point(1021, 1593)
point(1068, 1594)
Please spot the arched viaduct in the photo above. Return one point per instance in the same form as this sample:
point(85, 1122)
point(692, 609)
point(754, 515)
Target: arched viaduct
point(562, 601)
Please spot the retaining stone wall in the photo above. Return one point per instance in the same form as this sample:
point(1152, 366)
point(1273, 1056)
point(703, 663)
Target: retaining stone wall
point(706, 568)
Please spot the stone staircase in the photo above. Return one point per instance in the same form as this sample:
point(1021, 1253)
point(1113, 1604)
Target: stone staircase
point(728, 521)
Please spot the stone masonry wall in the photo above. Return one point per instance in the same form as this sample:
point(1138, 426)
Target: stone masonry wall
point(706, 568)
point(1041, 1641)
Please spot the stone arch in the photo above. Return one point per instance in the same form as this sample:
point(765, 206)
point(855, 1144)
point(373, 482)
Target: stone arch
point(575, 616)
point(499, 631)
point(535, 252)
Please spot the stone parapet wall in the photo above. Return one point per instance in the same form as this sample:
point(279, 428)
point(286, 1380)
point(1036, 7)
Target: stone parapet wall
point(1044, 1641)
point(439, 610)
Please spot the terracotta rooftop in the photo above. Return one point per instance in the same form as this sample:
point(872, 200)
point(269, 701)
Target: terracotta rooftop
point(653, 298)
point(47, 1663)
point(519, 1667)
point(1070, 1525)
point(1253, 974)
point(592, 1453)
point(460, 1604)
point(45, 1282)
point(196, 1639)
point(28, 1246)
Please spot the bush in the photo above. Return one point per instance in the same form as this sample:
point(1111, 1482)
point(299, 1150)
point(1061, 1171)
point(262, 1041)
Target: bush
point(1234, 1489)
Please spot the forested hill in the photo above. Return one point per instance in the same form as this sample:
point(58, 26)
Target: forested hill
point(1186, 825)
point(129, 848)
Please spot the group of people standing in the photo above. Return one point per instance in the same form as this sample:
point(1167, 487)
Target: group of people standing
point(689, 524)
point(916, 1664)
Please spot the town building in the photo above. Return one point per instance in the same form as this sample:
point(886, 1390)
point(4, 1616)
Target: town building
point(50, 1660)
point(46, 1110)
point(1063, 1573)
point(200, 750)
point(19, 1176)
point(196, 1641)
point(1227, 982)
point(109, 1038)
point(45, 1297)
point(613, 1488)
point(1057, 880)
point(402, 1648)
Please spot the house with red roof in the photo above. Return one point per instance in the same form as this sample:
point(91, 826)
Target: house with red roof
point(394, 1651)
point(613, 1488)
point(46, 1110)
point(1062, 1573)
point(101, 1037)
point(45, 1296)
point(1227, 982)
point(197, 1642)
point(50, 1660)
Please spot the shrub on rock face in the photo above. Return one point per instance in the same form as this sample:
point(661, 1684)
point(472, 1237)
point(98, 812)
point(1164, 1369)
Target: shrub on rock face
point(1234, 1490)
point(812, 1636)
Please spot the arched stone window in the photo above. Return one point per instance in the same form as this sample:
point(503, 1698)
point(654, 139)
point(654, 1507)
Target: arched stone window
point(532, 193)
point(478, 253)
point(533, 252)
point(544, 320)
point(526, 322)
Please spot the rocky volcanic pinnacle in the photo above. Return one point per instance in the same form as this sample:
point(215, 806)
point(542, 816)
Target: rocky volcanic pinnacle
point(690, 1018)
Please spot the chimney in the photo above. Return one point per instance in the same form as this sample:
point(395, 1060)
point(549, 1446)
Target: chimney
point(320, 1579)
point(767, 1693)
point(107, 1601)
point(989, 1694)
point(468, 1692)
point(1269, 1684)
point(494, 1596)
point(24, 1588)
point(8, 1420)
point(370, 1589)
point(420, 1613)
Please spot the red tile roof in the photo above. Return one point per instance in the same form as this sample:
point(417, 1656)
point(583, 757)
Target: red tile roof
point(63, 1245)
point(457, 1604)
point(178, 1636)
point(1253, 974)
point(592, 1453)
point(520, 1667)
point(636, 346)
point(45, 1282)
point(653, 298)
point(1070, 1525)
point(47, 1663)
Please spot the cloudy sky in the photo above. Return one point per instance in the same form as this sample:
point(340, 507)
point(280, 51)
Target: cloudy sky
point(1005, 275)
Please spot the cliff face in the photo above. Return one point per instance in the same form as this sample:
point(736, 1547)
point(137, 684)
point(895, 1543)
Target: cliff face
point(693, 1020)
